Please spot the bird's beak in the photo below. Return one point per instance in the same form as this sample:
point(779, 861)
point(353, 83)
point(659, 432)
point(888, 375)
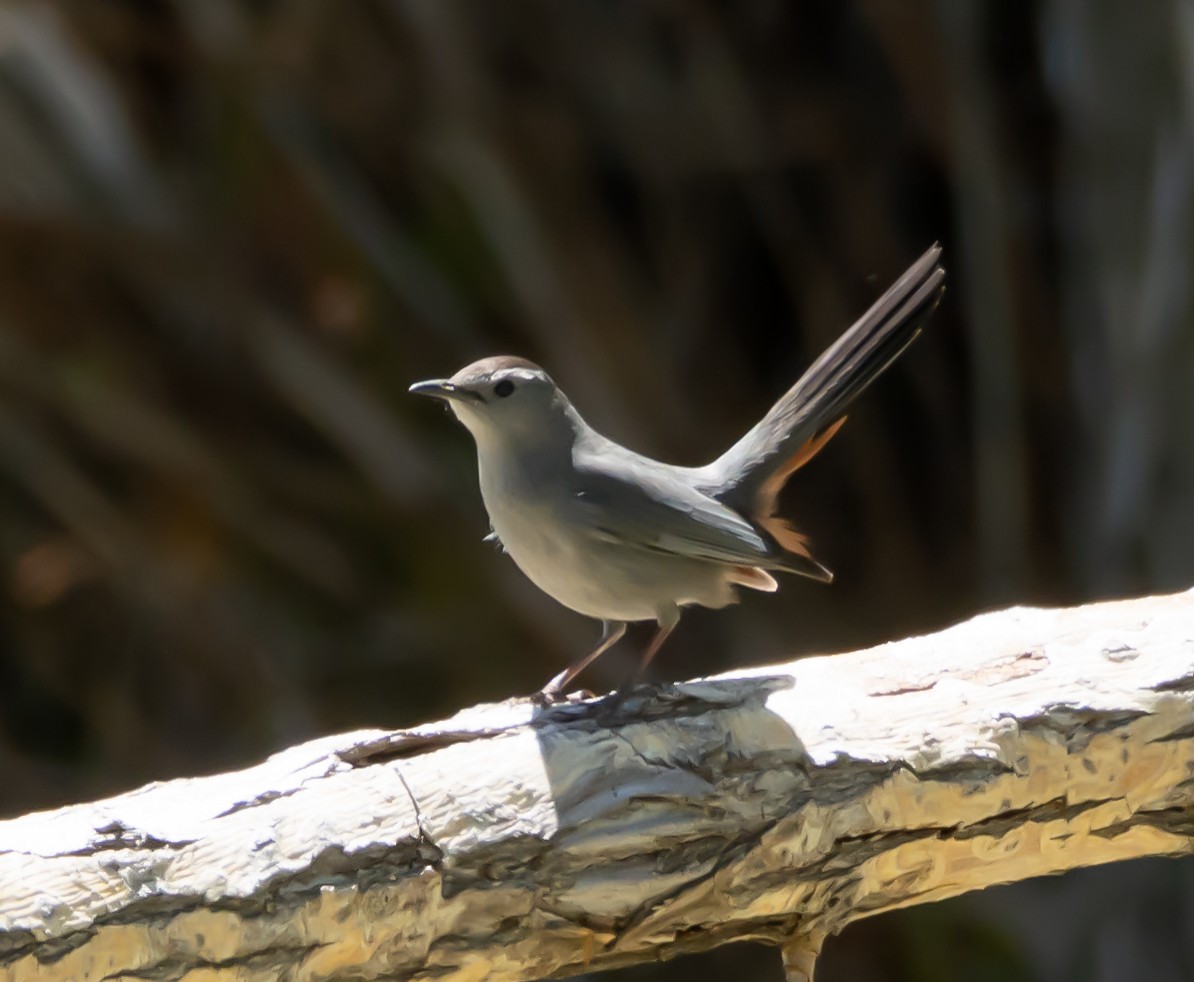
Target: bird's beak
point(439, 388)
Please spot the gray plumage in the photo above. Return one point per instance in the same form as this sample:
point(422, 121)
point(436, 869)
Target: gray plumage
point(621, 537)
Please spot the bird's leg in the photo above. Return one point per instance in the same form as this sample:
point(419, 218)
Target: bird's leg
point(611, 632)
point(667, 623)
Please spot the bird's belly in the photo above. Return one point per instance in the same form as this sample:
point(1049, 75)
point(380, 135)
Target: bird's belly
point(599, 578)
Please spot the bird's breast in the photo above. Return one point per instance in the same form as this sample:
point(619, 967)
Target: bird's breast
point(542, 526)
point(531, 518)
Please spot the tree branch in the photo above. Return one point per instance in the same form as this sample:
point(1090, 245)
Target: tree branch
point(512, 842)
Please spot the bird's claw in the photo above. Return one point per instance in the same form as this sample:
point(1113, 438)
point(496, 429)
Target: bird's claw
point(549, 696)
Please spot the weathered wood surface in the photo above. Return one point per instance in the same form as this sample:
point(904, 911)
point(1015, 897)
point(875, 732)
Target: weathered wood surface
point(511, 842)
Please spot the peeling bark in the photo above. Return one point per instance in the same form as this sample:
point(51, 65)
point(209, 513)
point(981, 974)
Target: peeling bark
point(513, 842)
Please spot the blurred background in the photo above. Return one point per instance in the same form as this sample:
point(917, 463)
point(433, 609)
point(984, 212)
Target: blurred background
point(231, 234)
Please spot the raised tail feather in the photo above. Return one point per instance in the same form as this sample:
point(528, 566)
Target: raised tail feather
point(750, 475)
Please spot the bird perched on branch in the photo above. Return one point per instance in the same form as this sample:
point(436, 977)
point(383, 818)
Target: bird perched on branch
point(621, 537)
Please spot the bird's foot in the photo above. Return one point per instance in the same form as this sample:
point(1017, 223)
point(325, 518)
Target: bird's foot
point(552, 694)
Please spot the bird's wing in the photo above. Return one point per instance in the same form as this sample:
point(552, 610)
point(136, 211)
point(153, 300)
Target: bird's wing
point(640, 504)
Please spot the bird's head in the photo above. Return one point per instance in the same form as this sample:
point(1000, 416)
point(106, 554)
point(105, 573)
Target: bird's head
point(504, 400)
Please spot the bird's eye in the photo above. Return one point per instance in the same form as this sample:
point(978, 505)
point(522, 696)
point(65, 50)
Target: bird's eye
point(503, 388)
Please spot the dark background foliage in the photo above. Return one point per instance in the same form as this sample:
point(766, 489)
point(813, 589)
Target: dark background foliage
point(232, 234)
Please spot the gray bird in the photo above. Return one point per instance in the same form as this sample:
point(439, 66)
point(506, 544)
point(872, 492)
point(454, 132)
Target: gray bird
point(621, 537)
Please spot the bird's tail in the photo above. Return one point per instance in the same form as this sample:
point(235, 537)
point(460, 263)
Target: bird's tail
point(750, 475)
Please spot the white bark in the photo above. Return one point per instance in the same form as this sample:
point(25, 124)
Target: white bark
point(512, 843)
